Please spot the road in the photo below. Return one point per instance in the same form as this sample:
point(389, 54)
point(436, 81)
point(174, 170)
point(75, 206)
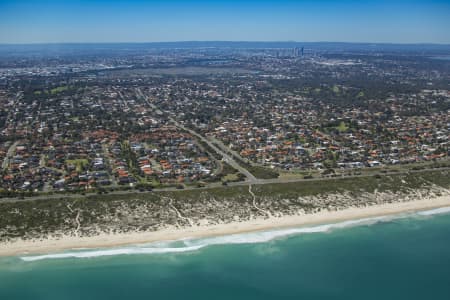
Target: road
point(9, 154)
point(211, 186)
point(251, 180)
point(227, 158)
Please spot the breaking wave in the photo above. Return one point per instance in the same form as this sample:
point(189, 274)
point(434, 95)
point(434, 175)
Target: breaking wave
point(190, 245)
point(437, 211)
point(110, 252)
point(266, 236)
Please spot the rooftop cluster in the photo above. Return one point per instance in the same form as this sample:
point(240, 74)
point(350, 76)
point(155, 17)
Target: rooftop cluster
point(149, 119)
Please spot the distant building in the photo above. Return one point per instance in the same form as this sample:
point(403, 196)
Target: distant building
point(298, 52)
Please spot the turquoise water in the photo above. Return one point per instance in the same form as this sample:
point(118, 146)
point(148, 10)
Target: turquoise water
point(406, 258)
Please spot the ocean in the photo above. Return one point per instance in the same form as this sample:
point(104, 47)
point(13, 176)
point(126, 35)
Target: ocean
point(402, 257)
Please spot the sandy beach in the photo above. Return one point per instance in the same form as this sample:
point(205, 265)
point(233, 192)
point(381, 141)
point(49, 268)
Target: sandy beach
point(23, 247)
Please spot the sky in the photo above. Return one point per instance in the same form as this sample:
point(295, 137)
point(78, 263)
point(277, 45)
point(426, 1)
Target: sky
point(99, 21)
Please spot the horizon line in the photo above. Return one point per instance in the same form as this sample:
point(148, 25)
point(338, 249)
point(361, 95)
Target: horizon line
point(220, 41)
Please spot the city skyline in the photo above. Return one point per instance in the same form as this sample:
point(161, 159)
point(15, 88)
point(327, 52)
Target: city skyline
point(165, 21)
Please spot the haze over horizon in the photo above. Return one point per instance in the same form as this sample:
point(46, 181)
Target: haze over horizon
point(100, 21)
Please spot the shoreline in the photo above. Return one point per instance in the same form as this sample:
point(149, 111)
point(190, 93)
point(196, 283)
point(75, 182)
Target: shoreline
point(104, 240)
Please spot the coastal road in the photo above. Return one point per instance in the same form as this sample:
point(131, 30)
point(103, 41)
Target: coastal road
point(211, 186)
point(227, 158)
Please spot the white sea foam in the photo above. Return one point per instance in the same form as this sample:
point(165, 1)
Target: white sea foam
point(111, 252)
point(266, 236)
point(188, 245)
point(437, 211)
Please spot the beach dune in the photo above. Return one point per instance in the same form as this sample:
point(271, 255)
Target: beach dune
point(49, 245)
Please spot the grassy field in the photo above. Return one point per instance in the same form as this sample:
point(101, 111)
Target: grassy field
point(262, 172)
point(59, 89)
point(79, 164)
point(53, 91)
point(342, 127)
